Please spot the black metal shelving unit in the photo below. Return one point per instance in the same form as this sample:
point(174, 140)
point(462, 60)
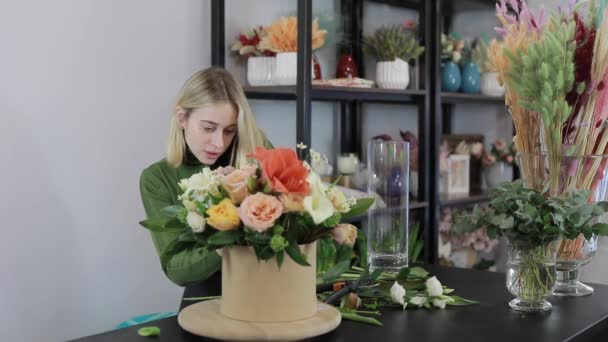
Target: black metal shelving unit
point(434, 107)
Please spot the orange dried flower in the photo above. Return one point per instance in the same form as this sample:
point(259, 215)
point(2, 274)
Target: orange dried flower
point(282, 35)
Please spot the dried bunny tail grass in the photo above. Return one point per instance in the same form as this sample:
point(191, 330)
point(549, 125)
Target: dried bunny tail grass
point(527, 124)
point(282, 35)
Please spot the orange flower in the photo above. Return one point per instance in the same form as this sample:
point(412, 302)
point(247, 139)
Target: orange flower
point(283, 170)
point(282, 35)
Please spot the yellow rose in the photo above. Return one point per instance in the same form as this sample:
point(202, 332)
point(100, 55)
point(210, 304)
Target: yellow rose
point(223, 216)
point(338, 199)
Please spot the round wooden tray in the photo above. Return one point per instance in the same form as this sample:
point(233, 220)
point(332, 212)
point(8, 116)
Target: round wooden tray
point(204, 319)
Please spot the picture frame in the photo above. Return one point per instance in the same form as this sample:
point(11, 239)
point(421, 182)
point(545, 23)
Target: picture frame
point(456, 180)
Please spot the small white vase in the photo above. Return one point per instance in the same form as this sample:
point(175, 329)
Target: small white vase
point(260, 70)
point(286, 72)
point(393, 74)
point(490, 86)
point(498, 173)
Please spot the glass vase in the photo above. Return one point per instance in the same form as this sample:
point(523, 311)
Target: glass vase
point(388, 183)
point(556, 175)
point(531, 276)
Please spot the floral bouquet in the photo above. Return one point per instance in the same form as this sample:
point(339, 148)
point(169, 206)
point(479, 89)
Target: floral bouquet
point(451, 48)
point(500, 152)
point(273, 206)
point(282, 35)
point(248, 43)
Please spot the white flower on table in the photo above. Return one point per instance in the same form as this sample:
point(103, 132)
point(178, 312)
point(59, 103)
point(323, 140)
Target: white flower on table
point(433, 287)
point(440, 303)
point(195, 221)
point(418, 300)
point(398, 294)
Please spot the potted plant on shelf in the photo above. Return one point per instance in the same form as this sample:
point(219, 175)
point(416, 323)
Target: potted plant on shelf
point(282, 37)
point(489, 75)
point(451, 53)
point(260, 62)
point(498, 163)
point(393, 47)
point(470, 71)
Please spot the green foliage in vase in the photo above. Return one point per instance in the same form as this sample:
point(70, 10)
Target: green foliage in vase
point(389, 43)
point(415, 244)
point(527, 218)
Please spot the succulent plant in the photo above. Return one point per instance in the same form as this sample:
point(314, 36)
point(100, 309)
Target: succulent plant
point(389, 43)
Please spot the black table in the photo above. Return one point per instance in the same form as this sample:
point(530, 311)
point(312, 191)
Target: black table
point(571, 319)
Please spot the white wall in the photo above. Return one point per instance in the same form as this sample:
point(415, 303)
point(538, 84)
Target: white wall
point(86, 88)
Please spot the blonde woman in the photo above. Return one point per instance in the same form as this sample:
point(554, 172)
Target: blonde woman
point(212, 126)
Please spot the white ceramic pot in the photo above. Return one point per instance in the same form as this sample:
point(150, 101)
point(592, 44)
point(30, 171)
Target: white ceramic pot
point(258, 291)
point(260, 70)
point(286, 72)
point(498, 173)
point(490, 86)
point(393, 75)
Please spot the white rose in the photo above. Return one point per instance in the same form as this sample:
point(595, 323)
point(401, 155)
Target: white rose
point(317, 204)
point(341, 204)
point(433, 287)
point(204, 182)
point(345, 234)
point(183, 184)
point(398, 294)
point(188, 204)
point(418, 300)
point(440, 303)
point(196, 221)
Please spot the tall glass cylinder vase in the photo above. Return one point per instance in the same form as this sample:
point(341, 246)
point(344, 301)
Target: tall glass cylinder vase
point(556, 175)
point(388, 182)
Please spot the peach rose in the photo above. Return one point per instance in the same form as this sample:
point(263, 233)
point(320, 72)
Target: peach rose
point(235, 184)
point(282, 169)
point(292, 202)
point(224, 171)
point(260, 211)
point(345, 234)
point(223, 216)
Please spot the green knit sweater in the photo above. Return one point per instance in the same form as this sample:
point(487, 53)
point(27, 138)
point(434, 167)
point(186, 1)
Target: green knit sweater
point(158, 187)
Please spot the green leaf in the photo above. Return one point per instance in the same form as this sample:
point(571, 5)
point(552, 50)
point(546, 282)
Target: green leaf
point(294, 252)
point(165, 225)
point(459, 301)
point(280, 256)
point(508, 223)
point(187, 236)
point(418, 272)
point(362, 248)
point(358, 318)
point(360, 208)
point(344, 253)
point(403, 274)
point(149, 331)
point(600, 229)
point(171, 211)
point(257, 238)
point(336, 271)
point(225, 238)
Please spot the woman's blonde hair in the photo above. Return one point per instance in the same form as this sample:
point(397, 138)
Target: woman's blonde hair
point(215, 86)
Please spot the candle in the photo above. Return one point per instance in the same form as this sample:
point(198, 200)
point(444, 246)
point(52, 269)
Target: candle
point(348, 163)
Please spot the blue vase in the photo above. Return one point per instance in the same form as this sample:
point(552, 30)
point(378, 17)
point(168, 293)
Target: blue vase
point(470, 79)
point(450, 77)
